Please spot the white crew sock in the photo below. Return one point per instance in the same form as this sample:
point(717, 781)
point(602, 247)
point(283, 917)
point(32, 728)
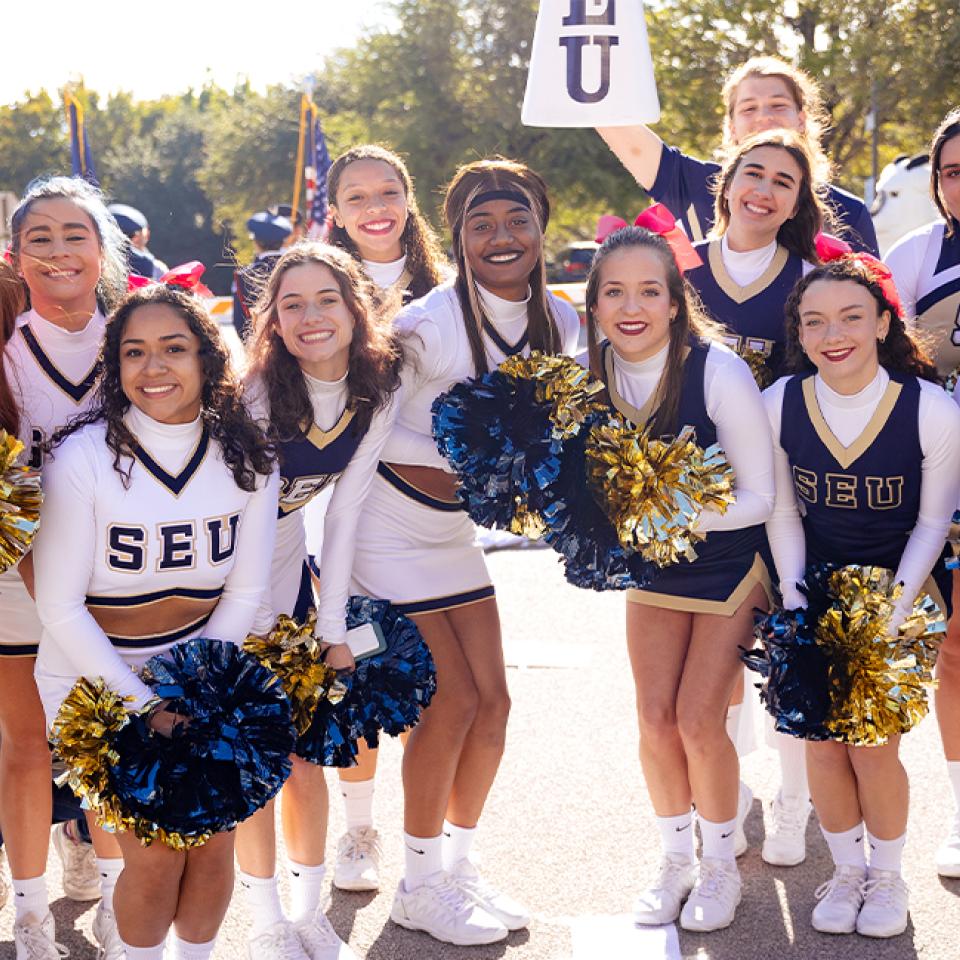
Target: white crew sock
point(676, 834)
point(262, 896)
point(423, 858)
point(30, 896)
point(886, 854)
point(456, 845)
point(109, 869)
point(306, 883)
point(846, 847)
point(184, 950)
point(718, 839)
point(953, 771)
point(793, 767)
point(144, 953)
point(358, 802)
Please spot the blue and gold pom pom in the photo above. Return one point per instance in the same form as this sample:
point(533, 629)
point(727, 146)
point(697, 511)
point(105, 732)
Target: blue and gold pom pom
point(20, 500)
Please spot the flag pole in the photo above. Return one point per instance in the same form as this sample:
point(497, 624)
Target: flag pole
point(298, 168)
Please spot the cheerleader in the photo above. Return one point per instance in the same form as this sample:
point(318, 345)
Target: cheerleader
point(863, 410)
point(319, 359)
point(376, 220)
point(764, 93)
point(416, 547)
point(664, 366)
point(68, 253)
point(169, 481)
point(926, 267)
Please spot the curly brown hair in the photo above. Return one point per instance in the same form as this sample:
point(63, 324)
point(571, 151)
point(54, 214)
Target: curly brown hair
point(12, 304)
point(246, 451)
point(425, 259)
point(374, 360)
point(798, 234)
point(900, 351)
point(690, 322)
point(468, 182)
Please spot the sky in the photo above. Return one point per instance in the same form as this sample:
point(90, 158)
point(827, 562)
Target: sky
point(156, 47)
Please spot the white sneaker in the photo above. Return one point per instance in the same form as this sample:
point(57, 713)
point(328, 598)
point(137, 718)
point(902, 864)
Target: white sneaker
point(358, 860)
point(840, 900)
point(105, 932)
point(503, 908)
point(36, 939)
point(885, 905)
point(786, 842)
point(443, 910)
point(661, 902)
point(279, 942)
point(713, 901)
point(320, 941)
point(744, 803)
point(948, 853)
point(81, 879)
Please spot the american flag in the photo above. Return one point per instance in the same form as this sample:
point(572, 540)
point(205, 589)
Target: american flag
point(316, 177)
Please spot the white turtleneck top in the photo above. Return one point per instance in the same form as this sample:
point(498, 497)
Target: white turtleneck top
point(734, 405)
point(124, 572)
point(746, 266)
point(350, 488)
point(384, 275)
point(847, 417)
point(436, 340)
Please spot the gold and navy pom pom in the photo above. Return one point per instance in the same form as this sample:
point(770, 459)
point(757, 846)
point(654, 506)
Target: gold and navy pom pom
point(654, 490)
point(20, 500)
point(835, 671)
point(759, 364)
point(503, 433)
point(292, 652)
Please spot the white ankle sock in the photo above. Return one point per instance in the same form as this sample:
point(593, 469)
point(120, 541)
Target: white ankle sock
point(886, 854)
point(793, 767)
point(262, 895)
point(306, 883)
point(423, 857)
point(676, 834)
point(144, 953)
point(358, 802)
point(456, 845)
point(30, 896)
point(846, 847)
point(184, 950)
point(109, 870)
point(718, 840)
point(953, 771)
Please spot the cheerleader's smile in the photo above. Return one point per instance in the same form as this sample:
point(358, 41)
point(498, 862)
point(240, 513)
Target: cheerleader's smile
point(761, 196)
point(371, 205)
point(314, 321)
point(160, 368)
point(501, 242)
point(634, 308)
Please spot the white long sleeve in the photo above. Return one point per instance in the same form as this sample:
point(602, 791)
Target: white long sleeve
point(906, 258)
point(734, 405)
point(340, 524)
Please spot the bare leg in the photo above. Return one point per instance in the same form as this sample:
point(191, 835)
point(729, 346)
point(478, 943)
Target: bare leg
point(366, 768)
point(304, 809)
point(433, 751)
point(256, 843)
point(205, 889)
point(145, 901)
point(833, 786)
point(947, 697)
point(478, 631)
point(26, 804)
point(883, 788)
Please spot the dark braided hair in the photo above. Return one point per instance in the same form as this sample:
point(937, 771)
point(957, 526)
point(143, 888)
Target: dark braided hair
point(246, 451)
point(900, 351)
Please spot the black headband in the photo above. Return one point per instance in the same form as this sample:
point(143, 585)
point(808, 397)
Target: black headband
point(486, 195)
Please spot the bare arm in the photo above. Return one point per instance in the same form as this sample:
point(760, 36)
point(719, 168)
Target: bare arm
point(638, 149)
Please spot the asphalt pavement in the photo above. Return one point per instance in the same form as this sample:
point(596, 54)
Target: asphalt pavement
point(569, 830)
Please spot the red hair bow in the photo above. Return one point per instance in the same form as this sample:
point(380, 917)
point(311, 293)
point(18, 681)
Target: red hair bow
point(186, 275)
point(832, 248)
point(659, 220)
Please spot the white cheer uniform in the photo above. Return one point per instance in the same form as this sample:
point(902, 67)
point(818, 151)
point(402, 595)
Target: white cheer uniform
point(414, 549)
point(123, 573)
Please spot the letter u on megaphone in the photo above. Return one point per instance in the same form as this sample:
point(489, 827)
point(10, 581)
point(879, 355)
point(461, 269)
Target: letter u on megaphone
point(590, 66)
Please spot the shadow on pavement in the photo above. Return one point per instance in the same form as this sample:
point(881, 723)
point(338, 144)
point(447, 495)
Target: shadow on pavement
point(395, 943)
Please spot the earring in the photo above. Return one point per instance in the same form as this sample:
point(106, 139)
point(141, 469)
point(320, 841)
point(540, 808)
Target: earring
point(881, 339)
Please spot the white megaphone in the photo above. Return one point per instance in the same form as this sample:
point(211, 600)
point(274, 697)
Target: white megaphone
point(590, 66)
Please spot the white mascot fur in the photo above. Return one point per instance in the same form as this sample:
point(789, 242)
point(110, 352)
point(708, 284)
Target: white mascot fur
point(903, 200)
